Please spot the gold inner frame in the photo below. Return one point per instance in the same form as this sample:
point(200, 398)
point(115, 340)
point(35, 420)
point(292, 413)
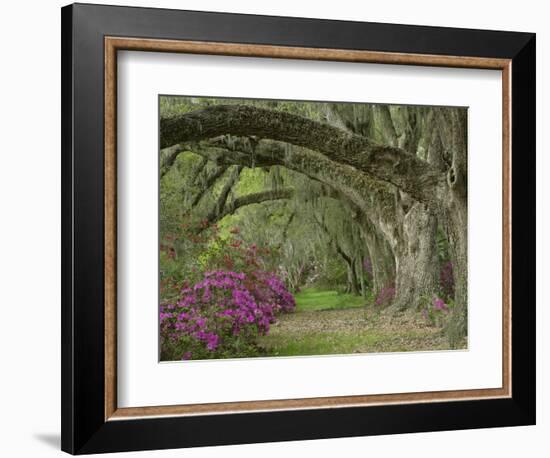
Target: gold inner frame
point(114, 44)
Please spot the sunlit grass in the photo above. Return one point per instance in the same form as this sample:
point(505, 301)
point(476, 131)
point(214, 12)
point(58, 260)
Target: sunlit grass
point(342, 342)
point(329, 323)
point(315, 299)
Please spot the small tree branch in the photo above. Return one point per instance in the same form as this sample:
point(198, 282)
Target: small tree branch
point(255, 198)
point(168, 156)
point(224, 194)
point(212, 177)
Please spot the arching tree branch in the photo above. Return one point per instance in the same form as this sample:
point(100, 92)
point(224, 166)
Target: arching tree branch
point(374, 201)
point(386, 163)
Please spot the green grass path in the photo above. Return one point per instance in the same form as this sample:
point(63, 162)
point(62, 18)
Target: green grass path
point(326, 322)
point(315, 299)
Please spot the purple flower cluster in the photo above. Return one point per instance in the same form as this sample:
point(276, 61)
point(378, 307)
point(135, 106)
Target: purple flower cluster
point(439, 304)
point(269, 288)
point(385, 296)
point(436, 311)
point(223, 308)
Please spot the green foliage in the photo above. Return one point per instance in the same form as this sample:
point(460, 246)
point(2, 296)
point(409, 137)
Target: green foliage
point(241, 347)
point(333, 275)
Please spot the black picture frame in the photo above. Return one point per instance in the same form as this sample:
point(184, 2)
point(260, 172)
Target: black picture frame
point(84, 429)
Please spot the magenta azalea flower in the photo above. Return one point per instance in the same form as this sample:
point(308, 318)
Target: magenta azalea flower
point(439, 304)
point(224, 305)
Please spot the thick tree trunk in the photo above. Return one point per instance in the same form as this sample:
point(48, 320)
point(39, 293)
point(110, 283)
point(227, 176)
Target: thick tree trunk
point(361, 272)
point(417, 266)
point(457, 224)
point(417, 270)
point(455, 210)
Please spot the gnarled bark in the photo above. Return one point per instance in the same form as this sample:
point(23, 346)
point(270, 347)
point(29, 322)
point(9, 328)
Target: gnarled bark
point(455, 212)
point(412, 229)
point(386, 163)
point(417, 266)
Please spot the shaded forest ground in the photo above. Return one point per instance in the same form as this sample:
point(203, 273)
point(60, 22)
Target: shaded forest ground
point(327, 322)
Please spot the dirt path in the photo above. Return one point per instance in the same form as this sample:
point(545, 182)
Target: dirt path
point(351, 330)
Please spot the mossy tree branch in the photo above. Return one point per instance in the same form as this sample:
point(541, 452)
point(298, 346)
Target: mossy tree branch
point(386, 163)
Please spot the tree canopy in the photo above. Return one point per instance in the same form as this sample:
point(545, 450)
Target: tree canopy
point(371, 199)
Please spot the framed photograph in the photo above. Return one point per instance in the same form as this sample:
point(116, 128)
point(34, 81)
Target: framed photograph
point(281, 228)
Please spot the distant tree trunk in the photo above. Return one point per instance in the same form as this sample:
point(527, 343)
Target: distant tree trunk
point(382, 261)
point(353, 285)
point(361, 275)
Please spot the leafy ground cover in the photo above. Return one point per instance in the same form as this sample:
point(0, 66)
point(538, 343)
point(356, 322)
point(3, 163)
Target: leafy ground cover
point(326, 322)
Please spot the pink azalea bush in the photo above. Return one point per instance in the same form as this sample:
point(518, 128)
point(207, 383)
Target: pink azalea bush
point(222, 315)
point(439, 305)
point(385, 296)
point(436, 311)
point(269, 288)
point(206, 249)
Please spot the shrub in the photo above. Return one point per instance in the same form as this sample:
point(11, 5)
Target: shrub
point(434, 310)
point(202, 248)
point(268, 288)
point(385, 296)
point(450, 317)
point(221, 315)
